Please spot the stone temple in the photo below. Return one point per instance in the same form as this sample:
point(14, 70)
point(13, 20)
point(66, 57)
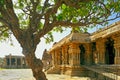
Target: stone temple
point(85, 54)
point(14, 61)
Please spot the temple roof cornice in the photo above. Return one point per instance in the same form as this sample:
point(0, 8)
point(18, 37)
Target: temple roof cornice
point(106, 32)
point(73, 37)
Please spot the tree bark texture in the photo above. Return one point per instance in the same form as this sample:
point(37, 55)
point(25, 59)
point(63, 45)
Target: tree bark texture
point(36, 65)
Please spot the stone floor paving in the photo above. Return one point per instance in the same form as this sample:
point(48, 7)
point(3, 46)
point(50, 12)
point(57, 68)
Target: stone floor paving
point(26, 74)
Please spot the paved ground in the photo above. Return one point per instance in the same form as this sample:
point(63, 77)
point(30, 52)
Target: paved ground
point(26, 74)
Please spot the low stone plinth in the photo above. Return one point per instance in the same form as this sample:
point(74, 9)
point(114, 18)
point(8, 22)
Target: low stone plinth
point(73, 70)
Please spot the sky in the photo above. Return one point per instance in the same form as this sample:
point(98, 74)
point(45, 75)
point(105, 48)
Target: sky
point(6, 48)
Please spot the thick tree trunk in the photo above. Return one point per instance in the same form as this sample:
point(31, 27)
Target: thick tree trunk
point(36, 65)
point(29, 43)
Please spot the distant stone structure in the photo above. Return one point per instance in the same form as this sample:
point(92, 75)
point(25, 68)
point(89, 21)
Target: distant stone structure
point(13, 61)
point(70, 54)
point(47, 60)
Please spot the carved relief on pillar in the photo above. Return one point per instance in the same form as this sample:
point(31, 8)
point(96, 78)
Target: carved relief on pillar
point(74, 54)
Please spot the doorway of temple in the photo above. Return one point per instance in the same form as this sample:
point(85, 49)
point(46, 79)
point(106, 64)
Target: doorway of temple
point(82, 54)
point(110, 51)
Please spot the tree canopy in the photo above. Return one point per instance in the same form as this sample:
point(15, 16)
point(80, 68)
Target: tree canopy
point(41, 16)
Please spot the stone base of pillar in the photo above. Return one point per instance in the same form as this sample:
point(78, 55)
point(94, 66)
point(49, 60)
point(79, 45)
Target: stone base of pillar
point(63, 69)
point(75, 71)
point(117, 60)
point(54, 70)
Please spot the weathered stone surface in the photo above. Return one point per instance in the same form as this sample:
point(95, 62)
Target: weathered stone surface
point(46, 56)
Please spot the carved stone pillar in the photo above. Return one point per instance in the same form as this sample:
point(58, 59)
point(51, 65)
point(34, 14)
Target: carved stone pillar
point(66, 54)
point(59, 56)
point(63, 55)
point(98, 51)
point(53, 58)
point(100, 47)
point(64, 59)
point(74, 54)
point(88, 54)
point(56, 57)
point(117, 50)
point(102, 51)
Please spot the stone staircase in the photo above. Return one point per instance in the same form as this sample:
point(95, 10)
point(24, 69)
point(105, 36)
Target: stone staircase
point(109, 71)
point(54, 70)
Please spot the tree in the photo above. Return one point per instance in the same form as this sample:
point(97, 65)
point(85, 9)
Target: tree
point(30, 20)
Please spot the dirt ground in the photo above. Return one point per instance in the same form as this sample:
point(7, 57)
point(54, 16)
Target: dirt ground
point(26, 74)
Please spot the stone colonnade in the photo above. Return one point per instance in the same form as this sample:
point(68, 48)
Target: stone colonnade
point(67, 58)
point(15, 62)
point(69, 54)
point(101, 48)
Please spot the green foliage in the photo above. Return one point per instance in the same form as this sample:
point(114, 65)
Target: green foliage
point(4, 36)
point(40, 26)
point(49, 37)
point(80, 29)
point(2, 2)
point(58, 29)
point(22, 3)
point(92, 12)
point(0, 15)
point(71, 13)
